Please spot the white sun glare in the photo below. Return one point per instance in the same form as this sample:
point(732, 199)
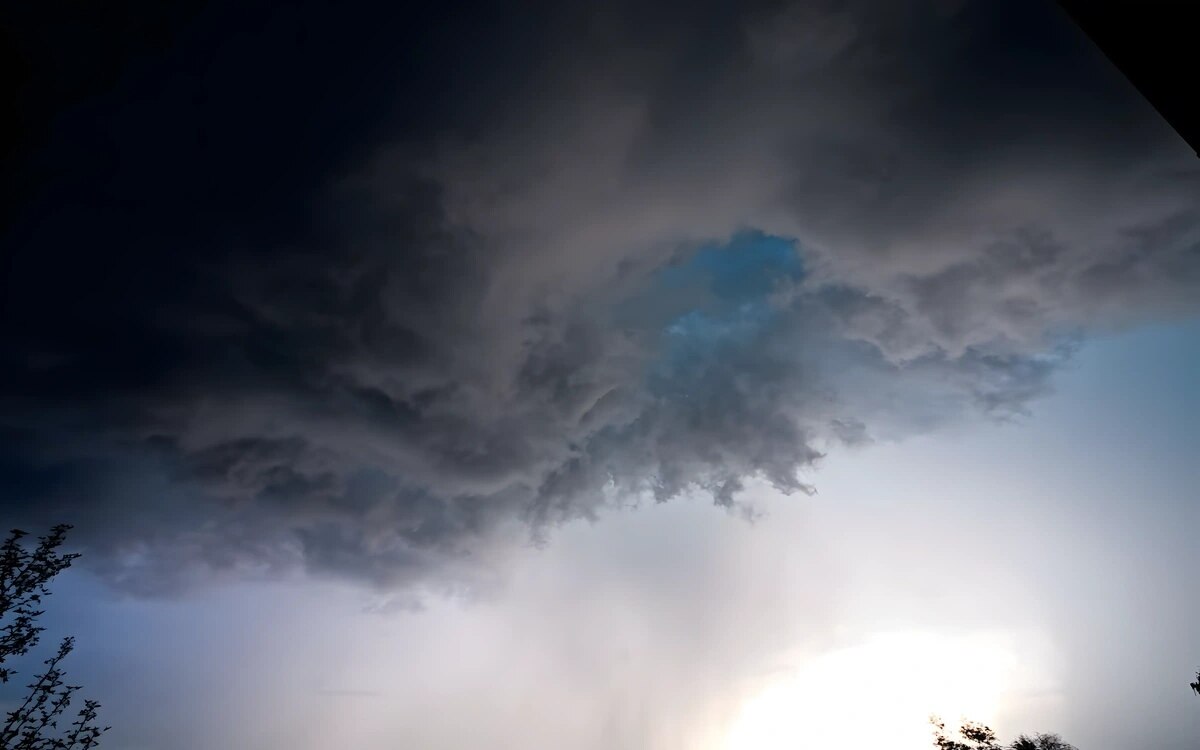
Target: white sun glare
point(879, 694)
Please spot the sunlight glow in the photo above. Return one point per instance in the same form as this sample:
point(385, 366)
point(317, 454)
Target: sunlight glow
point(879, 694)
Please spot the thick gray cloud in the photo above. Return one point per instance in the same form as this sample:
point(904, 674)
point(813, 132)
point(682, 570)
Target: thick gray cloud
point(670, 250)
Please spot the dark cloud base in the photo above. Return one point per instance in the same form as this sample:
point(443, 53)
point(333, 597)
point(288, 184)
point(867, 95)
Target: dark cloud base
point(379, 295)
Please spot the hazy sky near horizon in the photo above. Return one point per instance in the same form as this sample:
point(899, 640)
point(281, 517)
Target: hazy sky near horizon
point(701, 376)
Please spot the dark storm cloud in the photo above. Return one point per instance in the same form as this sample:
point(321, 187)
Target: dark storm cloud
point(376, 295)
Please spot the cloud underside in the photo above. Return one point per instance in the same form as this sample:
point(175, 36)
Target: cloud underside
point(660, 257)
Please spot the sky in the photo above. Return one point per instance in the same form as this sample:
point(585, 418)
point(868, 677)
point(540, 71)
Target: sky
point(769, 376)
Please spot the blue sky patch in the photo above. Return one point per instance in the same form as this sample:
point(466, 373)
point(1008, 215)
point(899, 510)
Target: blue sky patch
point(748, 267)
point(719, 297)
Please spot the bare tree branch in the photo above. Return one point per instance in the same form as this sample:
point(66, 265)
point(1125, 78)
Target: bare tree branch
point(33, 725)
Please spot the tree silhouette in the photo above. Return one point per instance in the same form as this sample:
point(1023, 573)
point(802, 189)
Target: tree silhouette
point(976, 736)
point(1040, 742)
point(33, 724)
